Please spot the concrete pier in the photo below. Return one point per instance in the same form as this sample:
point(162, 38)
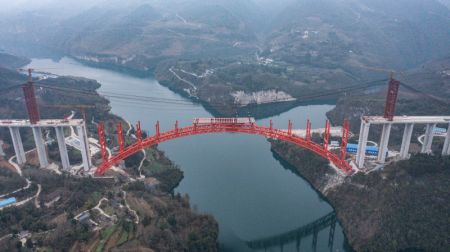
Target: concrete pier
point(409, 122)
point(2, 153)
point(384, 142)
point(428, 139)
point(362, 144)
point(446, 149)
point(18, 146)
point(59, 125)
point(406, 142)
point(84, 144)
point(40, 147)
point(62, 148)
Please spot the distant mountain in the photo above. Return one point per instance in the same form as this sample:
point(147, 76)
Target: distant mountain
point(382, 33)
point(322, 33)
point(11, 61)
point(141, 33)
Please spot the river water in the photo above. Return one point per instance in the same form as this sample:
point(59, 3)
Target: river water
point(234, 177)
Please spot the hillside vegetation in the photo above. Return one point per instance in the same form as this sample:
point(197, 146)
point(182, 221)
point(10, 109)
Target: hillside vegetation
point(161, 221)
point(404, 206)
point(253, 47)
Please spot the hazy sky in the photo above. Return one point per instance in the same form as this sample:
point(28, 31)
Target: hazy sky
point(17, 5)
point(27, 5)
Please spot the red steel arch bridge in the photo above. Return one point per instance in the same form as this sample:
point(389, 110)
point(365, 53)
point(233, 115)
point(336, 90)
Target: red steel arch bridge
point(222, 125)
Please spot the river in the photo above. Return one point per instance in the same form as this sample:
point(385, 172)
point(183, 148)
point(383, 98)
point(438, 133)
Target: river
point(234, 177)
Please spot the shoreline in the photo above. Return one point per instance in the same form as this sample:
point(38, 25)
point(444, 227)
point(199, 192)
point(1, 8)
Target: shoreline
point(258, 111)
point(269, 105)
point(376, 210)
point(292, 168)
point(141, 198)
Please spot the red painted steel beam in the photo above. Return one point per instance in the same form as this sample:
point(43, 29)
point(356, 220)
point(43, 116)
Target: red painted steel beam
point(138, 132)
point(102, 141)
point(326, 135)
point(290, 127)
point(120, 137)
point(308, 130)
point(157, 130)
point(344, 140)
point(198, 129)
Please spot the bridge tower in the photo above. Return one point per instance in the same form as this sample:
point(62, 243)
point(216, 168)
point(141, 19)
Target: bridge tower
point(34, 116)
point(391, 99)
point(30, 99)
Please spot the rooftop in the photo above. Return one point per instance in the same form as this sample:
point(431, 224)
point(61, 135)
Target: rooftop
point(7, 202)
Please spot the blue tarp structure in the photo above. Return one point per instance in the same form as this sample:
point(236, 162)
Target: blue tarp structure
point(7, 202)
point(370, 150)
point(439, 130)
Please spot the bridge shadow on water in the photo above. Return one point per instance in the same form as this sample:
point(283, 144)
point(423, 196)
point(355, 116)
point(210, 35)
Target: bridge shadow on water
point(293, 239)
point(296, 235)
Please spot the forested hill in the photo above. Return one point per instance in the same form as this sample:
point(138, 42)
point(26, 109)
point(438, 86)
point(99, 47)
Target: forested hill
point(11, 61)
point(229, 52)
point(140, 33)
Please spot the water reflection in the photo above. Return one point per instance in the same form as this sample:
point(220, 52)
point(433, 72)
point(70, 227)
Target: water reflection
point(313, 228)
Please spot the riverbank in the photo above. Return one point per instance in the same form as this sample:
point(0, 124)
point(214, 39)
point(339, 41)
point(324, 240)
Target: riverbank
point(404, 206)
point(153, 209)
point(215, 97)
point(210, 162)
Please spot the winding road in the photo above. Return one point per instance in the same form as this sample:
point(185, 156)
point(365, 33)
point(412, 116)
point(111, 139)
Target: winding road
point(129, 208)
point(19, 171)
point(183, 80)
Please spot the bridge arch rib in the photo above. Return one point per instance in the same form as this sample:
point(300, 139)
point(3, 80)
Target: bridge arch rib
point(225, 125)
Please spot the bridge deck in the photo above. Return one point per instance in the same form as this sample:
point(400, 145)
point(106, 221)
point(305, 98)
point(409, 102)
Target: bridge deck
point(42, 123)
point(293, 235)
point(407, 119)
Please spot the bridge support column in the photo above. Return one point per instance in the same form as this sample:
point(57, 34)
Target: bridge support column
point(362, 144)
point(385, 135)
point(314, 242)
point(2, 153)
point(40, 147)
point(331, 234)
point(62, 148)
point(446, 149)
point(428, 140)
point(406, 142)
point(18, 146)
point(84, 144)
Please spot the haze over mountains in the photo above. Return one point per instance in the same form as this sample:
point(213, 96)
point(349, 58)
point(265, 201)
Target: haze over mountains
point(266, 49)
point(237, 58)
point(397, 34)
